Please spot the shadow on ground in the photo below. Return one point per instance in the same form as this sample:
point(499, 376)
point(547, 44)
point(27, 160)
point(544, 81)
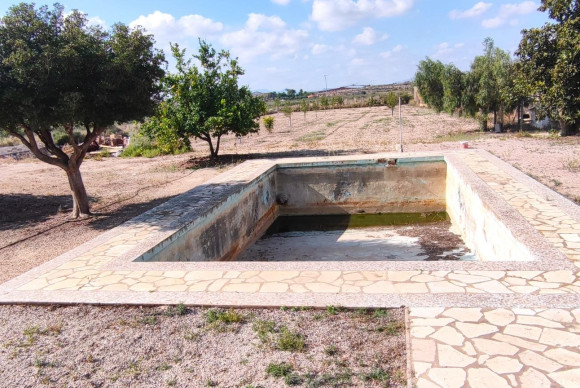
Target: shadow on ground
point(17, 210)
point(228, 159)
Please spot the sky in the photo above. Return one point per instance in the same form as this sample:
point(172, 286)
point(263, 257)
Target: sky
point(314, 44)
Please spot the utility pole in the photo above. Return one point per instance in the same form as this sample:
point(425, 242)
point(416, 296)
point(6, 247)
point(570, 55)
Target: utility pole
point(325, 83)
point(400, 125)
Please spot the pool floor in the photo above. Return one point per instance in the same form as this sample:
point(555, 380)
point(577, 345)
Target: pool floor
point(419, 242)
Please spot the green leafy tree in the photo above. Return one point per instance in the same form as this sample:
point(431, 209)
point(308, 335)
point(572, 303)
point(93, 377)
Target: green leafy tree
point(391, 100)
point(206, 102)
point(452, 89)
point(490, 73)
point(57, 73)
point(428, 79)
point(324, 102)
point(550, 63)
point(304, 107)
point(287, 110)
point(315, 107)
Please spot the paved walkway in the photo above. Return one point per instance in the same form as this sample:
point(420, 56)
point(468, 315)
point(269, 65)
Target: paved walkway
point(475, 337)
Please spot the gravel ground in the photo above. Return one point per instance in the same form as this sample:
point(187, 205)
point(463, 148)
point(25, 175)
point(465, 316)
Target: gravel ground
point(156, 347)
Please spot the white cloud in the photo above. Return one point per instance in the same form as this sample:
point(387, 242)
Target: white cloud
point(474, 11)
point(281, 2)
point(444, 50)
point(264, 36)
point(318, 49)
point(96, 21)
point(357, 62)
point(506, 13)
point(166, 28)
point(368, 37)
point(336, 15)
point(396, 49)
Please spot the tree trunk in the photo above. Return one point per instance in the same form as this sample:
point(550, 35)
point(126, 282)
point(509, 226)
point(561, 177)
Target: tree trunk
point(79, 194)
point(567, 129)
point(484, 124)
point(392, 111)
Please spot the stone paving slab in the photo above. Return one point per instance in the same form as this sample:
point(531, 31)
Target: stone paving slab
point(102, 271)
point(503, 347)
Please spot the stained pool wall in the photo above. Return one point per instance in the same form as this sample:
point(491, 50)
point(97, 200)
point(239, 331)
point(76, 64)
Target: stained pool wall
point(393, 186)
point(228, 228)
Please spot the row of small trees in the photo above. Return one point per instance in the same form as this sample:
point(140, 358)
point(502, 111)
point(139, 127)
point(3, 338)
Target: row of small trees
point(489, 86)
point(546, 71)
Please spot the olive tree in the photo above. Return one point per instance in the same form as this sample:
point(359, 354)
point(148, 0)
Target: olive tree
point(57, 72)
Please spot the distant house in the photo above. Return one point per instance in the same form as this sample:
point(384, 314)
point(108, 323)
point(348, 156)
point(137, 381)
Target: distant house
point(545, 123)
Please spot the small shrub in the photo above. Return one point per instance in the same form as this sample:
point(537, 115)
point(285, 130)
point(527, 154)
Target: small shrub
point(282, 369)
point(268, 123)
point(392, 328)
point(331, 350)
point(290, 341)
point(293, 379)
point(229, 316)
point(377, 374)
point(148, 320)
point(381, 313)
point(572, 165)
point(264, 328)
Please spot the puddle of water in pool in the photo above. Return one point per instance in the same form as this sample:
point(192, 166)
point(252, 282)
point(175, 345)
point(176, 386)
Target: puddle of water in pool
point(368, 237)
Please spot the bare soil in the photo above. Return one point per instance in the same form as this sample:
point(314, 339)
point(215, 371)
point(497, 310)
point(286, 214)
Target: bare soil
point(124, 346)
point(84, 346)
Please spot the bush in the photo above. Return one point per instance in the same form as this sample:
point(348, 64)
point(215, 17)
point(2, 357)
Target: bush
point(268, 123)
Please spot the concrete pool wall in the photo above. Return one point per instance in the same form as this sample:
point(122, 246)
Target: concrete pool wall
point(406, 184)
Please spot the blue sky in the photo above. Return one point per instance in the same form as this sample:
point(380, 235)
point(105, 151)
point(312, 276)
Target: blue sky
point(294, 43)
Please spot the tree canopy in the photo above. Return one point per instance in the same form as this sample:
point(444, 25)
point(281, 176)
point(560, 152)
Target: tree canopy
point(205, 102)
point(56, 71)
point(550, 63)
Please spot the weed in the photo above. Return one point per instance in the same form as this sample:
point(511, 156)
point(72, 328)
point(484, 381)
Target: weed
point(522, 134)
point(318, 316)
point(377, 374)
point(381, 313)
point(264, 328)
point(331, 124)
point(191, 336)
point(572, 165)
point(228, 316)
point(210, 383)
point(361, 311)
point(90, 359)
point(340, 379)
point(172, 382)
point(290, 341)
point(42, 363)
point(282, 369)
point(148, 320)
point(331, 350)
point(312, 136)
point(556, 182)
point(391, 328)
point(163, 367)
point(293, 379)
point(333, 310)
point(180, 309)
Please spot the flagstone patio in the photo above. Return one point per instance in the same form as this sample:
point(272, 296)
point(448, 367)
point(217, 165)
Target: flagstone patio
point(470, 324)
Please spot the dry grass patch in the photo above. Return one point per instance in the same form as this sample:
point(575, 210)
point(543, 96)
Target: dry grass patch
point(181, 346)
